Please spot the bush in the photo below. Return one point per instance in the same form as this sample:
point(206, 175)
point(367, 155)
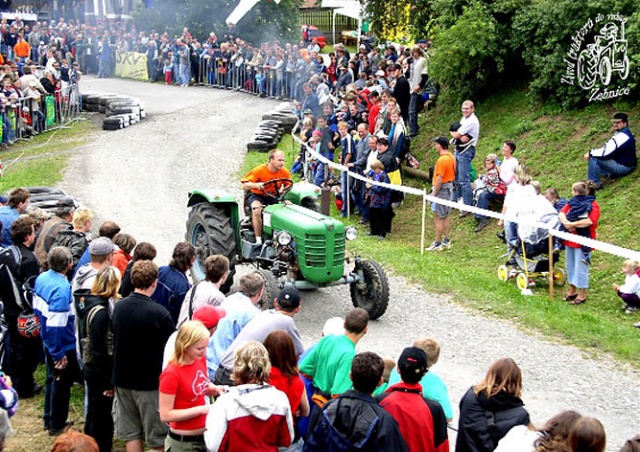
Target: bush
point(546, 30)
point(468, 54)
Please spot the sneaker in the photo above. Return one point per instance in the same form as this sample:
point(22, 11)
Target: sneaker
point(586, 260)
point(446, 243)
point(630, 310)
point(435, 246)
point(481, 225)
point(501, 236)
point(381, 237)
point(637, 325)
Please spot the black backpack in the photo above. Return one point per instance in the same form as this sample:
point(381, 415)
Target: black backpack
point(10, 287)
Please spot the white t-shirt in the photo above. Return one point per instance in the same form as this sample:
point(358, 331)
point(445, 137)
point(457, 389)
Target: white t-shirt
point(206, 294)
point(507, 171)
point(470, 126)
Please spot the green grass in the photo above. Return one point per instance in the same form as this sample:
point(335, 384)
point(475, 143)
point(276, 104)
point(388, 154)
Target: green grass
point(42, 160)
point(551, 143)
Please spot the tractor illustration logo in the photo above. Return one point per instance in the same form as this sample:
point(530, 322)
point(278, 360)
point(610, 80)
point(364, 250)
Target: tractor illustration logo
point(604, 57)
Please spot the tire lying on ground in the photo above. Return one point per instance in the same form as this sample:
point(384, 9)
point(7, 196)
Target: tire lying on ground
point(105, 98)
point(92, 107)
point(113, 123)
point(260, 146)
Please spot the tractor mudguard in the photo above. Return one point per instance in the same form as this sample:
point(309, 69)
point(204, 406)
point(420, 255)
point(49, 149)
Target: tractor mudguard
point(219, 197)
point(302, 190)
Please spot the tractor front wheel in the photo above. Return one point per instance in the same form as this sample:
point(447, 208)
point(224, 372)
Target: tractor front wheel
point(372, 294)
point(270, 290)
point(210, 231)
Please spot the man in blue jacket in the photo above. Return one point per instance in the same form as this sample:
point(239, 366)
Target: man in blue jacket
point(16, 205)
point(52, 304)
point(618, 155)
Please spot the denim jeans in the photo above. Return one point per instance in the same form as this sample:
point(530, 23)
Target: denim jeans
point(185, 74)
point(607, 168)
point(577, 271)
point(484, 199)
point(58, 390)
point(346, 193)
point(413, 114)
point(463, 175)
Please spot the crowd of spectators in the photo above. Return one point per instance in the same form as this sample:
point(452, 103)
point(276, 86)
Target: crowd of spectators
point(190, 368)
point(36, 62)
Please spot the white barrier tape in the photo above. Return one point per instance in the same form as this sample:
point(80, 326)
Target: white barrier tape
point(332, 164)
point(595, 244)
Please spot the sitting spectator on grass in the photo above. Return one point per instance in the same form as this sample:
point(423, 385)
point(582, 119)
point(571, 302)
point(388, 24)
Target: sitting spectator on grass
point(554, 198)
point(618, 155)
point(630, 290)
point(489, 187)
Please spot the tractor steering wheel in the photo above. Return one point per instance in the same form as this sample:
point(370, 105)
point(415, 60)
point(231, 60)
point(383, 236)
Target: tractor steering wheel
point(280, 186)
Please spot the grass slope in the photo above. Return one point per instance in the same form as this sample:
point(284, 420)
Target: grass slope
point(551, 143)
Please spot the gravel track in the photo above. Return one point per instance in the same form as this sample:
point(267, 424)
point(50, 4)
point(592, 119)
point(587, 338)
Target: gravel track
point(194, 137)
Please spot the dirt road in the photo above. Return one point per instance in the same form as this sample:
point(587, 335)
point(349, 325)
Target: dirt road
point(194, 137)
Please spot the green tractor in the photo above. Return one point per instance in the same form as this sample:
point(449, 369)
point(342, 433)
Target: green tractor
point(300, 245)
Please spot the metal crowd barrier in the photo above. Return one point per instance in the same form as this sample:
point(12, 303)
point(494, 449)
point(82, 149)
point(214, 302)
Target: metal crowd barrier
point(27, 116)
point(266, 82)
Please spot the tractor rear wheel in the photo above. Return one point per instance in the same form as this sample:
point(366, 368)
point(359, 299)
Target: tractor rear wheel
point(270, 290)
point(210, 231)
point(373, 294)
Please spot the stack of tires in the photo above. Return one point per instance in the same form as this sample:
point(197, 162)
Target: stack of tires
point(120, 111)
point(274, 123)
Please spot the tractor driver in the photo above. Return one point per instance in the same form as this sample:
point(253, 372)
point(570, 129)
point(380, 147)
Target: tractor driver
point(255, 181)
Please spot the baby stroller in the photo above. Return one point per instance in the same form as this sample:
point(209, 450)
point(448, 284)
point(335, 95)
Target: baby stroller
point(530, 251)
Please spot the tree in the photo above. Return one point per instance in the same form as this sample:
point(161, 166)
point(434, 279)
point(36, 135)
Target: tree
point(265, 22)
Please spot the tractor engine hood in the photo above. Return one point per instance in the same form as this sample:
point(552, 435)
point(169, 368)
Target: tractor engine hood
point(319, 240)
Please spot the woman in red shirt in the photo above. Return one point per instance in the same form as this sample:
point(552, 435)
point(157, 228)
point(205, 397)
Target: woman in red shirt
point(184, 386)
point(284, 376)
point(577, 266)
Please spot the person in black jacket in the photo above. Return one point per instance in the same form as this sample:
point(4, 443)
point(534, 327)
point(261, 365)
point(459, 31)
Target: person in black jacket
point(490, 409)
point(24, 352)
point(345, 423)
point(401, 91)
point(143, 251)
point(96, 344)
point(141, 328)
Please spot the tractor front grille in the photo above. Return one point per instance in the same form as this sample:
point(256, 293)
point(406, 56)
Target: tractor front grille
point(316, 250)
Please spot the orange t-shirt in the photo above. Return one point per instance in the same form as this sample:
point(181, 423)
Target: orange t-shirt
point(262, 173)
point(22, 49)
point(445, 167)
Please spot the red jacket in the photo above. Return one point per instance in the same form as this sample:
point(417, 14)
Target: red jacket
point(422, 422)
point(120, 261)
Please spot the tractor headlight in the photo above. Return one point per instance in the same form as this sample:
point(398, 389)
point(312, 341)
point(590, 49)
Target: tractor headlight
point(284, 238)
point(351, 233)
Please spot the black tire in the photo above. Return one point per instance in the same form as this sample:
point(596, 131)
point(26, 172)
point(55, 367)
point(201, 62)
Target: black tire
point(42, 189)
point(374, 297)
point(115, 121)
point(210, 231)
point(93, 99)
point(93, 107)
point(270, 290)
point(102, 109)
point(106, 98)
point(111, 127)
point(587, 69)
point(258, 146)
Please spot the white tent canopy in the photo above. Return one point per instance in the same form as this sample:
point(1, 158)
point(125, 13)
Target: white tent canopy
point(349, 8)
point(241, 10)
